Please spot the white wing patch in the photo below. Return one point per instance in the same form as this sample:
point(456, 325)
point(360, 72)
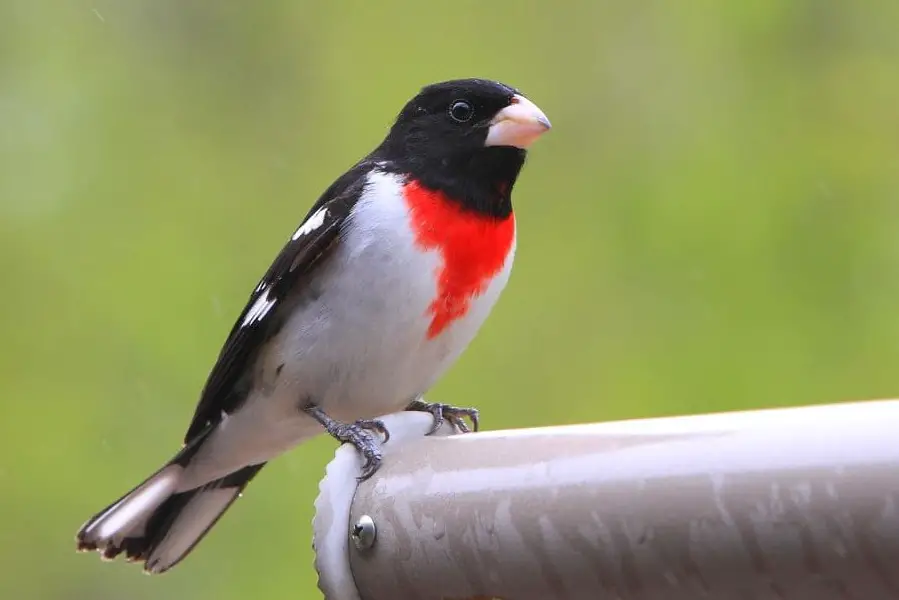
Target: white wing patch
point(260, 308)
point(264, 304)
point(312, 223)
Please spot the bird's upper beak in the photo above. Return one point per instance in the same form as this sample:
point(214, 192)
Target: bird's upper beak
point(518, 125)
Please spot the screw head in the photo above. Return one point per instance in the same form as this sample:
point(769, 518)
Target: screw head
point(364, 533)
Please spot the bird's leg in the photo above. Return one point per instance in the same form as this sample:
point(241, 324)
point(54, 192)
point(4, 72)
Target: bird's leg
point(444, 412)
point(360, 434)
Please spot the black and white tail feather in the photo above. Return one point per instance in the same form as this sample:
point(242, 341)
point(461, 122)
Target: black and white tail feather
point(157, 525)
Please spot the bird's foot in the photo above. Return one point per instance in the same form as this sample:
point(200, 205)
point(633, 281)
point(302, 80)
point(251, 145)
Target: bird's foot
point(444, 412)
point(360, 434)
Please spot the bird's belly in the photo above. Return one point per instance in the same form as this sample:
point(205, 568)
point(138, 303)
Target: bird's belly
point(363, 348)
point(371, 355)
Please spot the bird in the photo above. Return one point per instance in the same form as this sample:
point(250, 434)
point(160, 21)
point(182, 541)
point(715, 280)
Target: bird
point(374, 296)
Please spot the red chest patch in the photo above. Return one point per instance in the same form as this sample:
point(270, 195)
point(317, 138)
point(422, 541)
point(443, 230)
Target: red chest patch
point(474, 248)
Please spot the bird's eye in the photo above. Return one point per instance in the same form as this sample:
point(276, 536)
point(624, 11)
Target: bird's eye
point(461, 111)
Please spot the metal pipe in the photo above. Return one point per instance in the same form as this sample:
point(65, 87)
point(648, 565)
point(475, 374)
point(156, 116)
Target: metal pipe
point(783, 504)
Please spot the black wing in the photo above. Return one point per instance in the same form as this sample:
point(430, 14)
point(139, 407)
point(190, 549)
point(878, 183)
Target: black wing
point(228, 383)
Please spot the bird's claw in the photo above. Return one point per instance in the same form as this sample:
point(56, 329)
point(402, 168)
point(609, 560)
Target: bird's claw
point(444, 412)
point(375, 425)
point(361, 435)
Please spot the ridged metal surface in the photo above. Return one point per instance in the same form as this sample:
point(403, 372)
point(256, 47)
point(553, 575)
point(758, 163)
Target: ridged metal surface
point(770, 505)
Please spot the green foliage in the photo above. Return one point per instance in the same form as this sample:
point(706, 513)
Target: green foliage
point(712, 224)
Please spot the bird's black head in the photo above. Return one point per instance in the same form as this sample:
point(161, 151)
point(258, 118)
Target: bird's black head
point(467, 138)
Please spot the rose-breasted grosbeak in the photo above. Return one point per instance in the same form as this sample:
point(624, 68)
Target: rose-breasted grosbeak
point(381, 288)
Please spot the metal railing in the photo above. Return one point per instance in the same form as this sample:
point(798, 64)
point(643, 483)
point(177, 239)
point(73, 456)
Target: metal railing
point(797, 503)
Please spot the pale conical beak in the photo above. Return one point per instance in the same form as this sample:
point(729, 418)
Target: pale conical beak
point(518, 125)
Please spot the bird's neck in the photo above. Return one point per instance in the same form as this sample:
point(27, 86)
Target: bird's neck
point(480, 182)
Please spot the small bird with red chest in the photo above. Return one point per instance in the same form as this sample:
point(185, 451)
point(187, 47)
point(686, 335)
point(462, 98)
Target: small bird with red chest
point(374, 296)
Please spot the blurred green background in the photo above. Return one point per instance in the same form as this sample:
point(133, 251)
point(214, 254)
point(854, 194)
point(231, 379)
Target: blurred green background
point(713, 223)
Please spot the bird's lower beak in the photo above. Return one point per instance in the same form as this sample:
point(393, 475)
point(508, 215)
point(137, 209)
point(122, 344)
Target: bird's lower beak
point(518, 125)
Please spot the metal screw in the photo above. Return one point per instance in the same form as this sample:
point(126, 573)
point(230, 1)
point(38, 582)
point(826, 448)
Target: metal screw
point(364, 533)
